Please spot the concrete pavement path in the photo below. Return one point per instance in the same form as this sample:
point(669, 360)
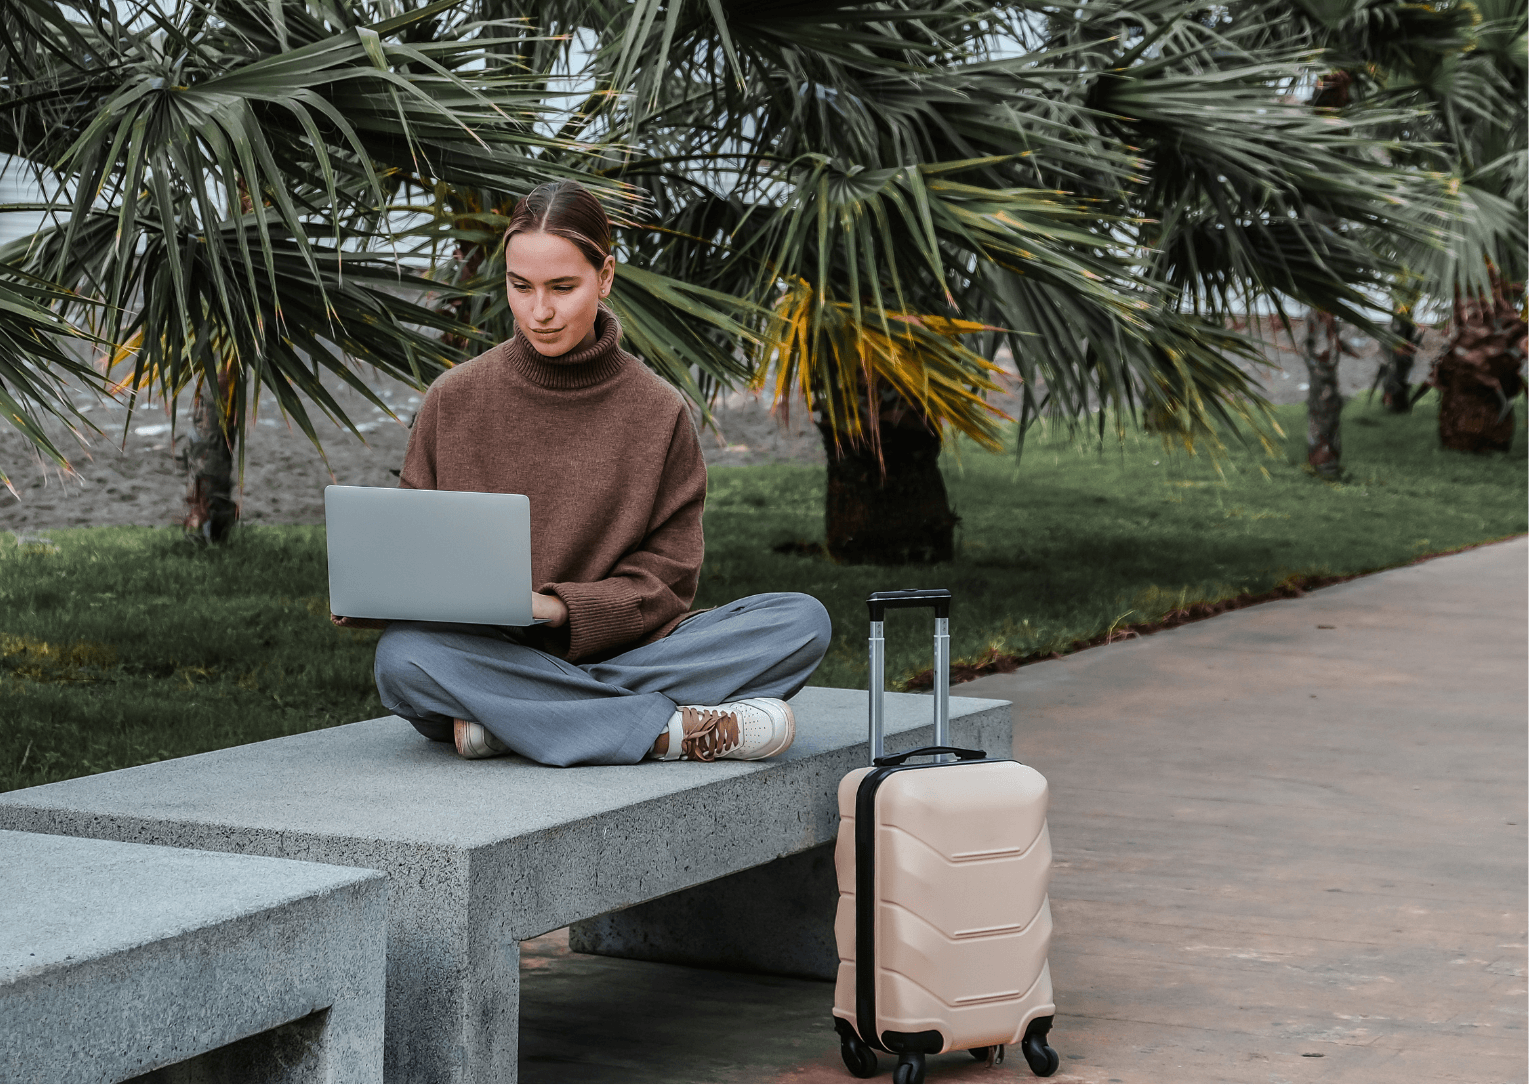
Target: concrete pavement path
point(1290, 846)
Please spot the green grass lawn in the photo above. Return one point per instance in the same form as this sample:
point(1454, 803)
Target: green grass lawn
point(120, 646)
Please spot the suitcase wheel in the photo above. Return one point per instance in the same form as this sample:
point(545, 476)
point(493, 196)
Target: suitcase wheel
point(993, 1056)
point(860, 1060)
point(1039, 1055)
point(910, 1067)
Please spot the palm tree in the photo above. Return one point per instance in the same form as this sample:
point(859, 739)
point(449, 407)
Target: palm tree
point(36, 364)
point(863, 200)
point(1453, 76)
point(1480, 119)
point(222, 177)
point(910, 185)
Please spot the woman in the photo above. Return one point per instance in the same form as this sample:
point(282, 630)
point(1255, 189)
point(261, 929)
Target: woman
point(609, 458)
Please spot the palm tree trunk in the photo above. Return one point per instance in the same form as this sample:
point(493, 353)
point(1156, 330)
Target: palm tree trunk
point(211, 508)
point(1397, 363)
point(1480, 372)
point(889, 509)
point(1321, 350)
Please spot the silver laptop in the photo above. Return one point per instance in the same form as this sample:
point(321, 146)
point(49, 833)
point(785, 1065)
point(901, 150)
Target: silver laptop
point(429, 555)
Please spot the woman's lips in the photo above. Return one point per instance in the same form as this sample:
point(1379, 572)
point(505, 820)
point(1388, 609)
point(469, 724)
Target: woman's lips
point(547, 331)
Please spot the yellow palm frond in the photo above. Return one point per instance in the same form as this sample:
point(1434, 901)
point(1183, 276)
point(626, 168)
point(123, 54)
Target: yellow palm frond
point(829, 353)
point(135, 380)
point(147, 374)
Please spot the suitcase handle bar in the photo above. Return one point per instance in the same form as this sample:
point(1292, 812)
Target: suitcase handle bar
point(939, 598)
point(922, 751)
point(878, 602)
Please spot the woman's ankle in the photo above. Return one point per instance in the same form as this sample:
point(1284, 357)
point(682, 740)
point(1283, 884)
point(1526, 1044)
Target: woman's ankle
point(667, 746)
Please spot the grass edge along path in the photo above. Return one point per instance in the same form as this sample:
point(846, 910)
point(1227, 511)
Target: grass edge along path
point(1081, 541)
point(993, 661)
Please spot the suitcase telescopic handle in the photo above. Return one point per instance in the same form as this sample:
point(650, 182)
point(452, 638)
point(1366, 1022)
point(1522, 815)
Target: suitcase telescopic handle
point(878, 603)
point(939, 598)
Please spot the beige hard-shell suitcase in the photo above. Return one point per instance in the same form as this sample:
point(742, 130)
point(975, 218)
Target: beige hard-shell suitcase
point(943, 925)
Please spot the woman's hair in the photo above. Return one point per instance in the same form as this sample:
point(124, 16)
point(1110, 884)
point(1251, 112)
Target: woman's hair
point(564, 209)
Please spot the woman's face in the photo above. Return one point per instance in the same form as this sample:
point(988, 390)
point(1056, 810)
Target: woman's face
point(554, 292)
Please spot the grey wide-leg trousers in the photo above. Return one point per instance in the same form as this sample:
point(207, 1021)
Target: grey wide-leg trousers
point(606, 713)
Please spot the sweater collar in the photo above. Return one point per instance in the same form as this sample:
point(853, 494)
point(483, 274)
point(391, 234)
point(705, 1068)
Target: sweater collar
point(600, 361)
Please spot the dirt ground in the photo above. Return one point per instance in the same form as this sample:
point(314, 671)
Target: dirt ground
point(129, 475)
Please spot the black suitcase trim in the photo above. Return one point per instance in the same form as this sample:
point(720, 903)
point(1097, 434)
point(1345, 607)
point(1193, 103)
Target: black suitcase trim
point(865, 899)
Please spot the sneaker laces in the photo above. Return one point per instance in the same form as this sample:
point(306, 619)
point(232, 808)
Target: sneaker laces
point(709, 733)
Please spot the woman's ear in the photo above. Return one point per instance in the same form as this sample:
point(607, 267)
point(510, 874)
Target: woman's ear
point(607, 274)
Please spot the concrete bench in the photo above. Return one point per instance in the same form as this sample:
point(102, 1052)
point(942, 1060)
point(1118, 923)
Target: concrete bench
point(481, 855)
point(122, 961)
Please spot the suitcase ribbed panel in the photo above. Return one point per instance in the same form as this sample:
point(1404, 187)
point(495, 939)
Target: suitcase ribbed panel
point(962, 925)
point(965, 900)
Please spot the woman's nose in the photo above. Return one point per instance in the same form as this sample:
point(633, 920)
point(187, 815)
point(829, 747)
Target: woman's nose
point(544, 310)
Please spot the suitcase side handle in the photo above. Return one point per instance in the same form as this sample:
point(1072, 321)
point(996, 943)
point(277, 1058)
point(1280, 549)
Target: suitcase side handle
point(923, 751)
point(878, 602)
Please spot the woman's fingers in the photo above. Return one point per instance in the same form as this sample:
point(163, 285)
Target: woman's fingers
point(358, 623)
point(552, 608)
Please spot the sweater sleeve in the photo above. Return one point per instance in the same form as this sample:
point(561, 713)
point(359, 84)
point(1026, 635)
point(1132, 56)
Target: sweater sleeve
point(654, 582)
point(419, 470)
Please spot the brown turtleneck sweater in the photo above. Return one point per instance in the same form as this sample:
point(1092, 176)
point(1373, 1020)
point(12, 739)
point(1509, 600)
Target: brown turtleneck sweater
point(607, 455)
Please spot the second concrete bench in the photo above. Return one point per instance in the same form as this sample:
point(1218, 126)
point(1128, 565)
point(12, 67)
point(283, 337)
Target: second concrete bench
point(481, 855)
point(122, 961)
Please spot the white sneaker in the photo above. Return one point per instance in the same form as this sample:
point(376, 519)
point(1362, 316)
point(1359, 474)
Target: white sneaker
point(474, 740)
point(746, 730)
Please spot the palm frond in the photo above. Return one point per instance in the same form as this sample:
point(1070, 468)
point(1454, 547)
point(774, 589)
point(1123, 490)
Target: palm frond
point(1488, 237)
point(320, 310)
point(226, 177)
point(36, 364)
point(839, 357)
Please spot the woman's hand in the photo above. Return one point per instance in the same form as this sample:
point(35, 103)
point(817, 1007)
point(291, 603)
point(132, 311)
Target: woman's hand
point(358, 623)
point(552, 608)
